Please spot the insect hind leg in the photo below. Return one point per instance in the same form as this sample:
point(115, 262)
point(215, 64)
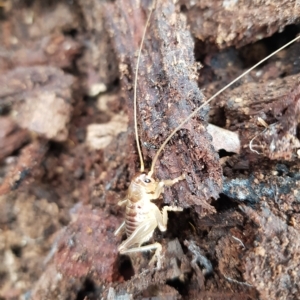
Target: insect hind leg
point(121, 229)
point(156, 257)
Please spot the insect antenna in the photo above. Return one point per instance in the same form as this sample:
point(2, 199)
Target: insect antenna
point(142, 165)
point(209, 100)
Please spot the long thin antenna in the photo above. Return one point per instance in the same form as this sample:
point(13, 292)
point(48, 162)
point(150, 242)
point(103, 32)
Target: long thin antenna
point(209, 100)
point(142, 166)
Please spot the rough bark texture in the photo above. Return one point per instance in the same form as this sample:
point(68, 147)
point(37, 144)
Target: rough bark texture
point(67, 153)
point(228, 23)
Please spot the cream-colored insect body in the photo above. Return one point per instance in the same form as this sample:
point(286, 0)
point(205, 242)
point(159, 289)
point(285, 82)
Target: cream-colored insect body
point(142, 216)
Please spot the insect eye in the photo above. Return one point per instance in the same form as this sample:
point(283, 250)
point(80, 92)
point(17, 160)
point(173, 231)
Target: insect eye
point(147, 180)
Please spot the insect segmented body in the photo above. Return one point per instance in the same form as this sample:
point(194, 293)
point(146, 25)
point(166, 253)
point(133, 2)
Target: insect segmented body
point(142, 216)
point(141, 191)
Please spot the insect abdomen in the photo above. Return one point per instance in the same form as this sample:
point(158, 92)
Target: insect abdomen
point(133, 217)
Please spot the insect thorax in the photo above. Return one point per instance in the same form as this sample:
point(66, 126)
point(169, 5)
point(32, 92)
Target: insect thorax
point(141, 188)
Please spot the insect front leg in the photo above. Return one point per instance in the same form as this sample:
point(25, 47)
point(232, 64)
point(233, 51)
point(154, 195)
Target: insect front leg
point(162, 217)
point(168, 182)
point(163, 221)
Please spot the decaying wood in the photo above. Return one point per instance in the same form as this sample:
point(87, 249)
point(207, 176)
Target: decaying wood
point(276, 243)
point(54, 49)
point(237, 23)
point(276, 103)
point(224, 139)
point(41, 97)
point(31, 156)
point(253, 252)
point(98, 60)
point(11, 137)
